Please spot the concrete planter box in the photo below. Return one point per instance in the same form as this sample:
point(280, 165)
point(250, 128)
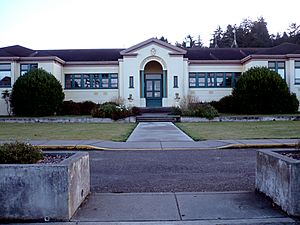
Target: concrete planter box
point(278, 177)
point(44, 191)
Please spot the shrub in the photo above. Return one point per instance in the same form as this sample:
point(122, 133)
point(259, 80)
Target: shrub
point(135, 111)
point(86, 107)
point(261, 91)
point(37, 93)
point(77, 108)
point(110, 110)
point(203, 110)
point(224, 105)
point(19, 153)
point(176, 111)
point(70, 108)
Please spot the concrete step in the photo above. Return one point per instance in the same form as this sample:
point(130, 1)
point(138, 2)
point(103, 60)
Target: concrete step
point(155, 110)
point(167, 118)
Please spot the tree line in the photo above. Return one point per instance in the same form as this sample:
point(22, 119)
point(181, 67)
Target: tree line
point(245, 35)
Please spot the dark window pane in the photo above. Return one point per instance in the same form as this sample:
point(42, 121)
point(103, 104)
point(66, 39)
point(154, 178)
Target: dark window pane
point(281, 65)
point(5, 67)
point(210, 79)
point(297, 64)
point(77, 81)
point(175, 81)
point(131, 81)
point(5, 78)
point(271, 65)
point(220, 80)
point(228, 77)
point(68, 81)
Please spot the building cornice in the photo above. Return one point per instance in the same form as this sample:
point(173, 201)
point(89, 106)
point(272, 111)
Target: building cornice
point(47, 58)
point(230, 62)
point(43, 58)
point(85, 63)
point(287, 56)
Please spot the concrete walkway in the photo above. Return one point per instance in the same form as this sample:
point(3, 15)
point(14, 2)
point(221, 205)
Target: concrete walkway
point(162, 145)
point(161, 132)
point(178, 208)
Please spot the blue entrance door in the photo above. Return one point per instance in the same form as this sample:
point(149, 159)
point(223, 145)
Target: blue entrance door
point(153, 89)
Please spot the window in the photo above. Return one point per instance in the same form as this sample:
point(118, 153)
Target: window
point(213, 80)
point(5, 75)
point(131, 82)
point(210, 79)
point(91, 81)
point(201, 79)
point(192, 80)
point(175, 81)
point(278, 67)
point(26, 67)
point(297, 72)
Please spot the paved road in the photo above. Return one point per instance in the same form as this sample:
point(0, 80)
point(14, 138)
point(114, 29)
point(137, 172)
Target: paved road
point(173, 171)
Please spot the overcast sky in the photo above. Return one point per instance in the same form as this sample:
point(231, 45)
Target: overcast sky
point(58, 24)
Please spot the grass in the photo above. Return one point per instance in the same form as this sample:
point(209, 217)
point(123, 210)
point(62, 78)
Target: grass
point(65, 131)
point(241, 130)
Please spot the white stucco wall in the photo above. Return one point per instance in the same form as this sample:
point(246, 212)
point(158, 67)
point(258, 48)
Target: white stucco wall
point(95, 95)
point(131, 66)
point(255, 63)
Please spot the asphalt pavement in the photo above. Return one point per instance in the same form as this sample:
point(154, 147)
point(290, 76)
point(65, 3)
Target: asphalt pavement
point(173, 171)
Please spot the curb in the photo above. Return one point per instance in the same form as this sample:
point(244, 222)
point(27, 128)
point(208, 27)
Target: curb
point(95, 148)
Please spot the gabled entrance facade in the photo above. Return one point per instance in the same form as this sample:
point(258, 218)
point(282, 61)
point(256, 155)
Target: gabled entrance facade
point(152, 65)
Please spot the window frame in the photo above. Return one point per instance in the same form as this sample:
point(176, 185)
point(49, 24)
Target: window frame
point(175, 81)
point(297, 67)
point(277, 67)
point(213, 77)
point(30, 67)
point(6, 70)
point(131, 82)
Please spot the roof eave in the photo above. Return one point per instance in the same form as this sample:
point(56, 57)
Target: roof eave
point(102, 63)
point(153, 40)
point(231, 62)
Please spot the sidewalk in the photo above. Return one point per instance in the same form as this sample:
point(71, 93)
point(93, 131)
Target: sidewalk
point(178, 208)
point(163, 145)
point(161, 136)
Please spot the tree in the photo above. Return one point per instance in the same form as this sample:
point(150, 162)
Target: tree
point(199, 42)
point(248, 34)
point(217, 36)
point(162, 38)
point(262, 91)
point(6, 97)
point(260, 34)
point(37, 93)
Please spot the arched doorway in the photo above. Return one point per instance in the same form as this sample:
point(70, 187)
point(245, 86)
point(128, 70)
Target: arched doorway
point(153, 79)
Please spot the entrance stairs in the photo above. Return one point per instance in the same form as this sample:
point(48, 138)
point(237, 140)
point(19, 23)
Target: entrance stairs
point(157, 114)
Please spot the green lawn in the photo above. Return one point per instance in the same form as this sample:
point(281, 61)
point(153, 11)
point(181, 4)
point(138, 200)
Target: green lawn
point(241, 130)
point(65, 131)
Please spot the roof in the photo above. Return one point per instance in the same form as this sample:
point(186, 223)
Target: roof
point(218, 53)
point(90, 55)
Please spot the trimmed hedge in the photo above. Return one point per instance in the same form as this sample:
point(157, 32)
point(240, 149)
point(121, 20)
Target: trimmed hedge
point(77, 108)
point(262, 91)
point(37, 93)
